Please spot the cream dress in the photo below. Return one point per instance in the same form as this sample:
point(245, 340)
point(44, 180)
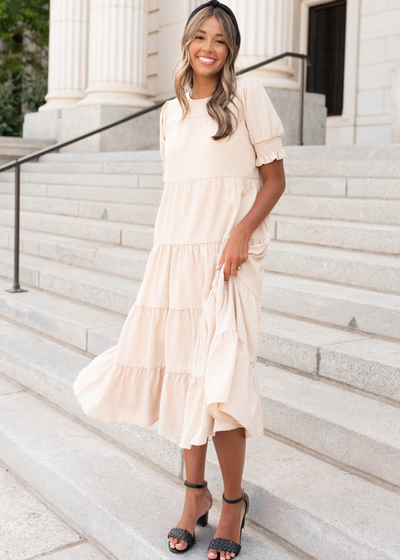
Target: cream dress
point(187, 351)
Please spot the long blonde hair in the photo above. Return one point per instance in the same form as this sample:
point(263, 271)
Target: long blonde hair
point(217, 105)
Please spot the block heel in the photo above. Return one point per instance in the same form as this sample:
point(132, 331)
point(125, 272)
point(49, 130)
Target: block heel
point(203, 520)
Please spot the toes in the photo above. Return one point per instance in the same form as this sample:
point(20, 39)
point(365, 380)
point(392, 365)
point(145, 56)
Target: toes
point(181, 545)
point(212, 553)
point(176, 543)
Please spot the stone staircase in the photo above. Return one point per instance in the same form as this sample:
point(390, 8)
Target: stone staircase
point(324, 480)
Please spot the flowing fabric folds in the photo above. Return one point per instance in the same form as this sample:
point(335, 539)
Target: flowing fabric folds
point(224, 390)
point(213, 386)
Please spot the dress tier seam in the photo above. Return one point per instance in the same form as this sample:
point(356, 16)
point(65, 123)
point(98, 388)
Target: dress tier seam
point(185, 181)
point(184, 372)
point(214, 285)
point(257, 239)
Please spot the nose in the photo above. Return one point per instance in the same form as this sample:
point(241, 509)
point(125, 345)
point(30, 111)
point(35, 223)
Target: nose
point(207, 46)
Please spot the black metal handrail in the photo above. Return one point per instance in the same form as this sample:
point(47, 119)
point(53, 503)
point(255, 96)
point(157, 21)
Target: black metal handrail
point(16, 288)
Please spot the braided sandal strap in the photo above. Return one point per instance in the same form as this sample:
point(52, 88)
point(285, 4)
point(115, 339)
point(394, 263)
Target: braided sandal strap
point(183, 535)
point(225, 544)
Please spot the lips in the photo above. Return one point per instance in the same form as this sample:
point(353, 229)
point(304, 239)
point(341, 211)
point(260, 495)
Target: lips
point(204, 63)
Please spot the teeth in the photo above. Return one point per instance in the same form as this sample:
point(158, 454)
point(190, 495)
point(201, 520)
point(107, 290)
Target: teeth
point(206, 59)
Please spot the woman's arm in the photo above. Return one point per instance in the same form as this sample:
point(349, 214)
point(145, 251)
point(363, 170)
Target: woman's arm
point(236, 249)
point(273, 175)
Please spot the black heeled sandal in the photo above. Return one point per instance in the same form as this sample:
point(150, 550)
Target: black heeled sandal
point(226, 544)
point(184, 535)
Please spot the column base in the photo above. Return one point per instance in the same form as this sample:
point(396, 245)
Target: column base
point(141, 133)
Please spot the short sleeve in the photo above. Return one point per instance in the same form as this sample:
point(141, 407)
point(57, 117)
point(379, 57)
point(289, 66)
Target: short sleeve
point(263, 123)
point(163, 120)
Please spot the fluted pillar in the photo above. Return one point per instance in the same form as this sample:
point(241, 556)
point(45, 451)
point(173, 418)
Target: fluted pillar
point(172, 18)
point(68, 45)
point(267, 30)
point(396, 106)
point(117, 53)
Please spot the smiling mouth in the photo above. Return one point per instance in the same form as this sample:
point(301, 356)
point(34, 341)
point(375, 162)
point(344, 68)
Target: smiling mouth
point(205, 62)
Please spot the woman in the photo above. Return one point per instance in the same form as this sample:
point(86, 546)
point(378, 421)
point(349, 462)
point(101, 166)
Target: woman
point(187, 351)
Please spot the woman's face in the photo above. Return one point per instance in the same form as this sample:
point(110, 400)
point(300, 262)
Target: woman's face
point(208, 50)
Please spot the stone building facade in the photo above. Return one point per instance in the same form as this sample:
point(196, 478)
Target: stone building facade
point(108, 57)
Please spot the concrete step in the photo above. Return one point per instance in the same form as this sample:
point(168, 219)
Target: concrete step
point(343, 187)
point(360, 361)
point(86, 193)
point(76, 324)
point(306, 186)
point(116, 178)
point(137, 167)
point(347, 152)
point(341, 234)
point(339, 187)
point(106, 291)
point(49, 369)
point(110, 494)
point(365, 363)
point(366, 211)
point(99, 231)
point(29, 528)
point(317, 507)
point(346, 267)
point(349, 307)
point(105, 257)
point(371, 210)
point(359, 310)
point(346, 307)
point(342, 426)
point(325, 167)
point(309, 152)
point(116, 212)
point(102, 157)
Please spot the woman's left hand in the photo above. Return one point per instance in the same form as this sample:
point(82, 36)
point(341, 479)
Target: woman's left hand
point(235, 253)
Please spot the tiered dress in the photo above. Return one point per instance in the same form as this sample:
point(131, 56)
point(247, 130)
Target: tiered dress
point(187, 351)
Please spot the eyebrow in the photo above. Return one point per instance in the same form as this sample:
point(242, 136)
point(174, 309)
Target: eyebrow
point(217, 34)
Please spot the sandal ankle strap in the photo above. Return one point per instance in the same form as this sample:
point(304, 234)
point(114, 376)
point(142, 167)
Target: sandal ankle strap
point(186, 483)
point(233, 501)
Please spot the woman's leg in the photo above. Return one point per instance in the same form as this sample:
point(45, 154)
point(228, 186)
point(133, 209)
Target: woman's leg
point(230, 446)
point(197, 500)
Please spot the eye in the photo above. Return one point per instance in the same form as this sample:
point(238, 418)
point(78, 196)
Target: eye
point(218, 41)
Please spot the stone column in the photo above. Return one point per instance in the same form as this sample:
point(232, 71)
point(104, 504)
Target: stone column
point(172, 17)
point(396, 106)
point(117, 54)
point(266, 28)
point(67, 53)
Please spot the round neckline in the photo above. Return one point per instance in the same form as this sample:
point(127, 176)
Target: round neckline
point(200, 99)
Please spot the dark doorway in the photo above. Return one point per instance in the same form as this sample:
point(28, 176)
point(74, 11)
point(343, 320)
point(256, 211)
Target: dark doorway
point(326, 44)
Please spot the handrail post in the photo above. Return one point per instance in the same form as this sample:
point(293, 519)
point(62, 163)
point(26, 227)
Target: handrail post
point(16, 287)
point(300, 142)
